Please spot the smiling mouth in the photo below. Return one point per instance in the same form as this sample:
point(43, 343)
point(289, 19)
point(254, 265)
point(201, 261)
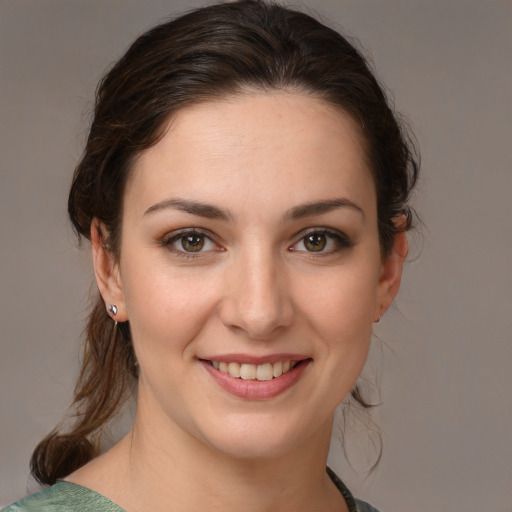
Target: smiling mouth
point(261, 372)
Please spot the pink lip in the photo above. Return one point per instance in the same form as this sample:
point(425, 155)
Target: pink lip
point(254, 389)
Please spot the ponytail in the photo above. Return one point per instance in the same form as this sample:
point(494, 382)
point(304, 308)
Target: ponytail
point(105, 381)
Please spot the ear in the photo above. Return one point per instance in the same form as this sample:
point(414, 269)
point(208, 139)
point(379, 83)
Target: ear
point(106, 270)
point(391, 275)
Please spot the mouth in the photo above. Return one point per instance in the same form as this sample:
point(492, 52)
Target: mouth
point(261, 372)
point(256, 378)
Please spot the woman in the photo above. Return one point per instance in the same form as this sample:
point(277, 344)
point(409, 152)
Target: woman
point(244, 188)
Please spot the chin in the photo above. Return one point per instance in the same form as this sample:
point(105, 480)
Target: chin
point(252, 448)
point(260, 438)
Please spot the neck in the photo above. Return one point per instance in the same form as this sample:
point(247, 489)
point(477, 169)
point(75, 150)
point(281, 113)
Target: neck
point(161, 467)
point(184, 474)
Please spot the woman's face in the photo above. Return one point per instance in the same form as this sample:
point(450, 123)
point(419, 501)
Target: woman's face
point(250, 246)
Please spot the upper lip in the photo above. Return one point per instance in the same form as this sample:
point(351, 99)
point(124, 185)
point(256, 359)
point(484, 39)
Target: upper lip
point(257, 360)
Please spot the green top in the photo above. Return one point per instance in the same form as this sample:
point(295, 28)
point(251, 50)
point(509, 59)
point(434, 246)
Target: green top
point(64, 497)
point(68, 497)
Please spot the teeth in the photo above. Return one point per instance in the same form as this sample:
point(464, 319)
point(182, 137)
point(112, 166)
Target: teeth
point(234, 370)
point(248, 371)
point(278, 369)
point(266, 371)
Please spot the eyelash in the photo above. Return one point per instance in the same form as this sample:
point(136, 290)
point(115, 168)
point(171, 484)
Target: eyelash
point(341, 240)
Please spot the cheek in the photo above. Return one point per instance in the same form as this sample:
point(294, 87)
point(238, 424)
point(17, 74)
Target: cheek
point(166, 310)
point(341, 297)
point(339, 308)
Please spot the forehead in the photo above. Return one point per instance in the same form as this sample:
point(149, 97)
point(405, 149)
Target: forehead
point(279, 147)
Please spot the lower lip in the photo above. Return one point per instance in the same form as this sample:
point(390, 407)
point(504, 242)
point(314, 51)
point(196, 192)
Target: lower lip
point(257, 389)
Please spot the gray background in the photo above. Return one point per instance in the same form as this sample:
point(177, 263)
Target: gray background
point(442, 355)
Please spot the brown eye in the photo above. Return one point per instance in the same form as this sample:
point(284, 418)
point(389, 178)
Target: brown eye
point(322, 241)
point(192, 243)
point(315, 242)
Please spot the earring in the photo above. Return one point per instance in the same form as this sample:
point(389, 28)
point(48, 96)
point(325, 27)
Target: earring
point(377, 321)
point(112, 310)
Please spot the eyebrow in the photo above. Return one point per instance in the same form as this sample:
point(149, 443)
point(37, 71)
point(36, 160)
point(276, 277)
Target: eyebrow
point(320, 207)
point(213, 212)
point(193, 207)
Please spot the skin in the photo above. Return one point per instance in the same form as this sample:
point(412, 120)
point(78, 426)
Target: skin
point(256, 289)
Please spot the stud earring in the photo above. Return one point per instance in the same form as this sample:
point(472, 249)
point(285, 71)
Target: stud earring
point(112, 310)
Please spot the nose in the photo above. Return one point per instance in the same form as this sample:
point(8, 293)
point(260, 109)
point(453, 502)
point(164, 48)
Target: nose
point(258, 297)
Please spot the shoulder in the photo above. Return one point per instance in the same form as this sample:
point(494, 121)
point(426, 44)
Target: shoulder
point(64, 497)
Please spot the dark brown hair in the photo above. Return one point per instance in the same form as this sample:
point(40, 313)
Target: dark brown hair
point(209, 53)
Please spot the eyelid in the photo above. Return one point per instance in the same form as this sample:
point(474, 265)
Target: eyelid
point(187, 231)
